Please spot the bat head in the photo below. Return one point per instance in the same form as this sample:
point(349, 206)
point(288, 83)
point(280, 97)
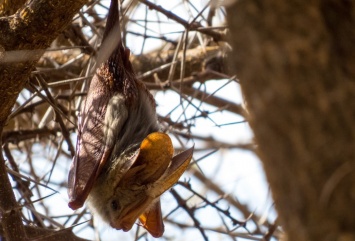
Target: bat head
point(136, 194)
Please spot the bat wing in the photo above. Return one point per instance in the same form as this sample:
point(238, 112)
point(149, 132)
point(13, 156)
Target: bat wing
point(103, 118)
point(83, 173)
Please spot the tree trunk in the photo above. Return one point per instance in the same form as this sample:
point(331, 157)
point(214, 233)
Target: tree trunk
point(296, 63)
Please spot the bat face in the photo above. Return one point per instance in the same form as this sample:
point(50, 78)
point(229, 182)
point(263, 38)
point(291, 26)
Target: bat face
point(136, 194)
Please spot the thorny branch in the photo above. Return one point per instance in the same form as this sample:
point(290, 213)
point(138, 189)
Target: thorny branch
point(190, 210)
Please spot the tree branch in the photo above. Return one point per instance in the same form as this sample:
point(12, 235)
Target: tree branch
point(23, 38)
point(9, 210)
point(217, 36)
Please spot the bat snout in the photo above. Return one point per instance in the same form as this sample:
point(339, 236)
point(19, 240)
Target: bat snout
point(128, 217)
point(124, 225)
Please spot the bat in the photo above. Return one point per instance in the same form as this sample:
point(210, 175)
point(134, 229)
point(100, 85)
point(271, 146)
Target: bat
point(123, 163)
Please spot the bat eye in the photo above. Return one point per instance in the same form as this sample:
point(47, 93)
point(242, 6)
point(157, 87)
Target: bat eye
point(114, 205)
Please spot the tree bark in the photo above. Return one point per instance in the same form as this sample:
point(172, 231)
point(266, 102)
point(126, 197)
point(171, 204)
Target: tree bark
point(23, 39)
point(296, 63)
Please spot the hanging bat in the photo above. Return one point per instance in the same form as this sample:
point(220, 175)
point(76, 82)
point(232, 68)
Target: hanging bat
point(123, 164)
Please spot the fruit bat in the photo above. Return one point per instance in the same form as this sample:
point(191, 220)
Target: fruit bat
point(122, 163)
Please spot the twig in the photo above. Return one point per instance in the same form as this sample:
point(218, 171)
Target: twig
point(190, 26)
point(182, 203)
point(225, 212)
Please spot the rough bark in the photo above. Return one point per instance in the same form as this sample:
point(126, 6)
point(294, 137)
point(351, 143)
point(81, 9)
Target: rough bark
point(296, 63)
point(23, 38)
point(9, 7)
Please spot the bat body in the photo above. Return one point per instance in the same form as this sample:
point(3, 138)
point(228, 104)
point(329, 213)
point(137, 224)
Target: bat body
point(122, 163)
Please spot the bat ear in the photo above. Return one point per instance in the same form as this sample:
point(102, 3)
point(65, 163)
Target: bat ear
point(178, 165)
point(154, 157)
point(152, 220)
